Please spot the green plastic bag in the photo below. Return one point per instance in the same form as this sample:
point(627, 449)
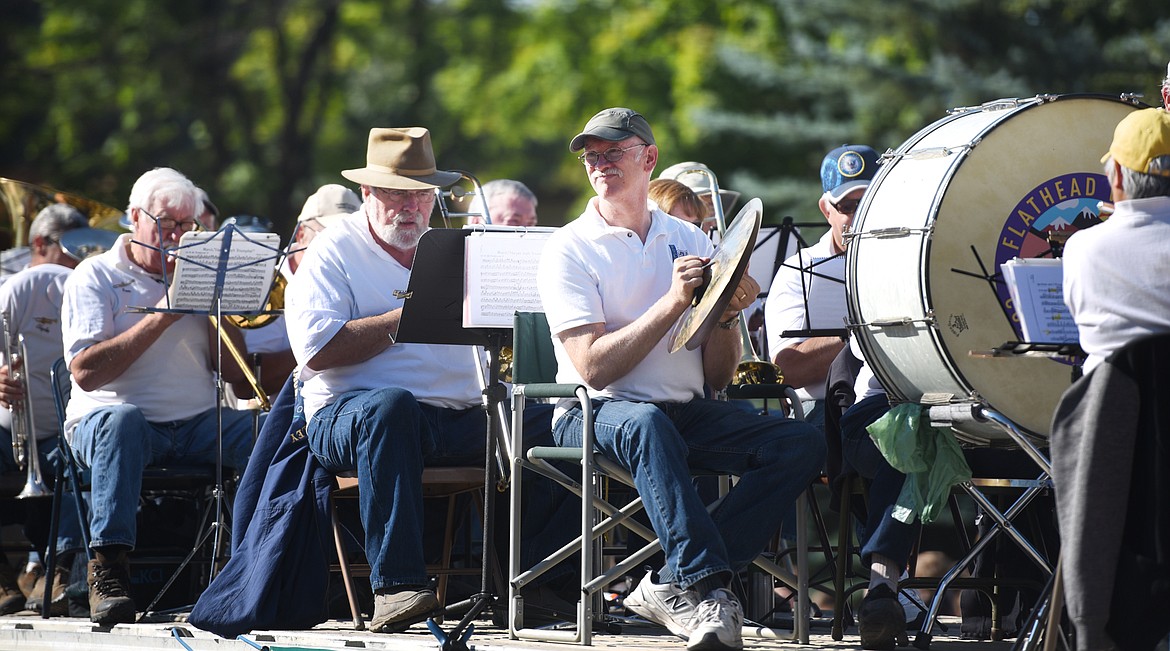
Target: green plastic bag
point(930, 458)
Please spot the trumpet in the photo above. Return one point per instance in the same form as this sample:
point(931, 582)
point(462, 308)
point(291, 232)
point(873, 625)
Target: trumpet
point(751, 369)
point(24, 436)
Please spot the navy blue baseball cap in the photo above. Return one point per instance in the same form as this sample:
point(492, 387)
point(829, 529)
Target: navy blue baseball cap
point(847, 168)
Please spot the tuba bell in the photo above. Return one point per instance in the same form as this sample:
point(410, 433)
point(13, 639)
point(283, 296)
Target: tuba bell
point(24, 435)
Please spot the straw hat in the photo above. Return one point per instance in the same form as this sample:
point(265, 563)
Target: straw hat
point(401, 159)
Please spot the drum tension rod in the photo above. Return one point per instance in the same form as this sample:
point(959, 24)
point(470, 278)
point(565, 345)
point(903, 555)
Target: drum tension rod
point(888, 233)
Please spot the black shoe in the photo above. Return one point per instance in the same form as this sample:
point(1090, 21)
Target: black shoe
point(881, 620)
point(109, 592)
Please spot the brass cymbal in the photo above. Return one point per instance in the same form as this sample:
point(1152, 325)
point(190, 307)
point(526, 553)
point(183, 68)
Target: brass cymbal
point(726, 268)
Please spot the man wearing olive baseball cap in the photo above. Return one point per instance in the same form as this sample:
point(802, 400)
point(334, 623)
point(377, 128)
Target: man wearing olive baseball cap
point(1117, 273)
point(614, 284)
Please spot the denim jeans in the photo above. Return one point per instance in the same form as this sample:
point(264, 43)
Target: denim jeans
point(117, 442)
point(38, 511)
point(661, 443)
point(387, 436)
point(885, 535)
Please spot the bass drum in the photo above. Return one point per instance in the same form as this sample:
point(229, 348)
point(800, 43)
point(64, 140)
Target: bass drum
point(954, 202)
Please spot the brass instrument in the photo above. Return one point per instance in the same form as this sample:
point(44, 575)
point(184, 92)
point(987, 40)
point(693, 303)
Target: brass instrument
point(24, 435)
point(751, 368)
point(271, 311)
point(22, 201)
point(457, 194)
point(272, 308)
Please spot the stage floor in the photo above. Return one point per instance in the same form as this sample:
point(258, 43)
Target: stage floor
point(28, 632)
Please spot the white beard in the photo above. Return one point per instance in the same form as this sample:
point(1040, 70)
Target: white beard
point(403, 237)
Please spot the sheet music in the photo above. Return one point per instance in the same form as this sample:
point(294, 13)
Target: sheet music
point(1036, 286)
point(248, 268)
point(500, 276)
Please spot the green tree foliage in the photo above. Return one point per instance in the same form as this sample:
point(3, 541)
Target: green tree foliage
point(262, 102)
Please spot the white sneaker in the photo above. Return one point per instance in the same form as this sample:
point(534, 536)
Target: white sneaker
point(664, 603)
point(718, 623)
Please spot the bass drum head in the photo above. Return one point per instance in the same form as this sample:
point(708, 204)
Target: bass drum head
point(974, 190)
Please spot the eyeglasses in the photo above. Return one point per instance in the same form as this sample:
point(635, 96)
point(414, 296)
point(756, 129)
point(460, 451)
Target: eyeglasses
point(847, 207)
point(400, 196)
point(169, 223)
point(613, 154)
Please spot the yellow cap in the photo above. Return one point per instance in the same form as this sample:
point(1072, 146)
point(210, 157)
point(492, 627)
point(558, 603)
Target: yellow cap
point(1139, 138)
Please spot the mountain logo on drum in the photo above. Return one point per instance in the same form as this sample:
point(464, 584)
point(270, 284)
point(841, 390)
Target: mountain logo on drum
point(1049, 213)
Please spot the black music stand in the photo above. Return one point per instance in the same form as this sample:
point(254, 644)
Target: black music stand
point(216, 271)
point(432, 313)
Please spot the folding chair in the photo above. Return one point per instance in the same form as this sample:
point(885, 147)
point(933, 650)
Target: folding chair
point(193, 483)
point(533, 372)
point(438, 482)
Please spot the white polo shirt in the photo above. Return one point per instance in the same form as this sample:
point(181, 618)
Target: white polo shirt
point(814, 273)
point(591, 272)
point(1117, 277)
point(172, 380)
point(344, 276)
point(32, 300)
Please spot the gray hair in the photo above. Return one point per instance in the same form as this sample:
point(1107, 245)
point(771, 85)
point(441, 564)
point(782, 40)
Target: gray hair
point(1139, 185)
point(168, 186)
point(54, 220)
point(507, 186)
point(1166, 81)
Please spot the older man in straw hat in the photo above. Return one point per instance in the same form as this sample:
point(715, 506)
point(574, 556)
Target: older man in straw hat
point(375, 406)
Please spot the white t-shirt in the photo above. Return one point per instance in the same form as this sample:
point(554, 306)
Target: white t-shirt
point(1117, 277)
point(814, 273)
point(866, 384)
point(344, 276)
point(591, 272)
point(32, 300)
point(172, 380)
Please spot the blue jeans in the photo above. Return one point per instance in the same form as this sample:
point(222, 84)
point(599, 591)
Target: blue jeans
point(661, 443)
point(38, 511)
point(117, 442)
point(387, 437)
point(885, 535)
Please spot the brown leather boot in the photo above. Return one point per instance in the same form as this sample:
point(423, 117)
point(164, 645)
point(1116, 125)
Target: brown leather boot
point(28, 579)
point(9, 591)
point(58, 604)
point(109, 590)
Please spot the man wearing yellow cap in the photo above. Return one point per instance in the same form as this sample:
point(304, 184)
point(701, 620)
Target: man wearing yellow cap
point(1117, 274)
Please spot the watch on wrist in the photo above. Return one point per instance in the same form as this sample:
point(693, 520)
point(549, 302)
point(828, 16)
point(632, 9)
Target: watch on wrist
point(730, 323)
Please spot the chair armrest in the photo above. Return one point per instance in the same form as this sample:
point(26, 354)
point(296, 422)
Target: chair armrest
point(555, 453)
point(547, 390)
